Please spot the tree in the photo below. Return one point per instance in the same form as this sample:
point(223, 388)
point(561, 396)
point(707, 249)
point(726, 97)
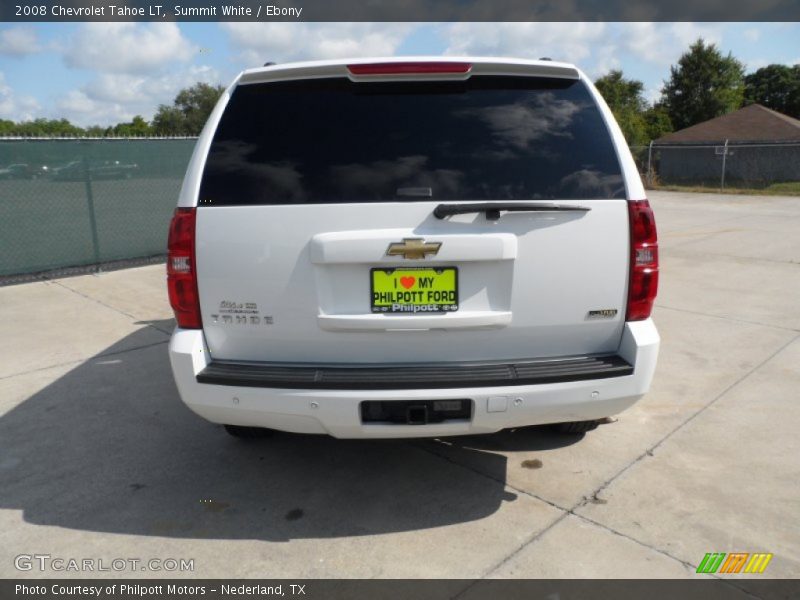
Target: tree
point(624, 98)
point(169, 121)
point(95, 131)
point(44, 127)
point(138, 127)
point(776, 87)
point(656, 122)
point(189, 111)
point(704, 84)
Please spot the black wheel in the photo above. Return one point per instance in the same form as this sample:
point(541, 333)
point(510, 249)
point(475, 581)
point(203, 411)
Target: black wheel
point(249, 433)
point(577, 426)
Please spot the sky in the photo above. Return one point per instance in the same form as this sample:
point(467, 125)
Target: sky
point(105, 73)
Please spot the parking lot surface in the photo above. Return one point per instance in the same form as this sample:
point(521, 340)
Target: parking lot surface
point(99, 458)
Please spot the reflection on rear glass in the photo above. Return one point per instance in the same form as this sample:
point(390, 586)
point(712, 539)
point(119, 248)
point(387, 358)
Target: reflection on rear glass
point(332, 140)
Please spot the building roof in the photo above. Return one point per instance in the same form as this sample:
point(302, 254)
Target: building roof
point(753, 123)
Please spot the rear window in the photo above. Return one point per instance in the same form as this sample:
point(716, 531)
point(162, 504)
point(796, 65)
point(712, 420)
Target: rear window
point(334, 141)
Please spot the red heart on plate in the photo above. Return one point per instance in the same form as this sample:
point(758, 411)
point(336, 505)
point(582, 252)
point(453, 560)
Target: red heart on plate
point(407, 282)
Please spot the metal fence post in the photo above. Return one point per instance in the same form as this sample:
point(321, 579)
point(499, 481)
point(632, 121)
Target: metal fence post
point(649, 164)
point(87, 178)
point(724, 159)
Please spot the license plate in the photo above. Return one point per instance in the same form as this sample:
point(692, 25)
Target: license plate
point(416, 290)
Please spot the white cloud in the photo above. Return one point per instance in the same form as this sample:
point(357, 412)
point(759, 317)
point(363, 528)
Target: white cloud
point(15, 107)
point(128, 47)
point(18, 42)
point(570, 42)
point(596, 47)
point(281, 42)
point(605, 60)
point(687, 33)
point(134, 71)
point(652, 94)
point(754, 64)
point(76, 102)
point(644, 41)
point(113, 98)
point(752, 35)
point(80, 108)
point(663, 43)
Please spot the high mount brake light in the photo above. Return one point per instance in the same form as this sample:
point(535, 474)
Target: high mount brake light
point(410, 68)
point(643, 283)
point(181, 269)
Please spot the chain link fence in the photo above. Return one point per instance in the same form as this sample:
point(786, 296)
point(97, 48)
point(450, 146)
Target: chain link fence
point(73, 202)
point(724, 165)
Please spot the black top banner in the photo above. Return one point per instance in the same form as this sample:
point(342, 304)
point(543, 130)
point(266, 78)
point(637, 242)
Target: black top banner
point(394, 11)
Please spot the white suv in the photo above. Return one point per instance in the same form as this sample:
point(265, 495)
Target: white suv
point(412, 247)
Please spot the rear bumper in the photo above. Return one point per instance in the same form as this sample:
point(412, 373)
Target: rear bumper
point(503, 395)
point(413, 376)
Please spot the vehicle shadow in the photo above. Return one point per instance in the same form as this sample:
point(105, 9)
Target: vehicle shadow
point(110, 447)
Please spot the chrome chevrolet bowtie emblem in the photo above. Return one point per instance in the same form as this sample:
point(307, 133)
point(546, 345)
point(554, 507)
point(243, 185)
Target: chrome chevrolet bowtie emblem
point(413, 248)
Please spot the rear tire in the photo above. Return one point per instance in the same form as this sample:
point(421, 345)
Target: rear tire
point(577, 426)
point(248, 433)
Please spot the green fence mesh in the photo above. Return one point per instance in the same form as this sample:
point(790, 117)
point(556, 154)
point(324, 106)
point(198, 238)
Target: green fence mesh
point(66, 203)
point(69, 203)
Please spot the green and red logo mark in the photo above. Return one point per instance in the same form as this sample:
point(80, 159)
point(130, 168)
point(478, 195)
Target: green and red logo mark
point(715, 562)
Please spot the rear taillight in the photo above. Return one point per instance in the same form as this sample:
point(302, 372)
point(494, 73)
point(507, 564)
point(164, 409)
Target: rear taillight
point(181, 271)
point(643, 284)
point(409, 68)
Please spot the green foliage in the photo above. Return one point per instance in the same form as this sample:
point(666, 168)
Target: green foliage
point(41, 127)
point(96, 131)
point(624, 98)
point(189, 112)
point(169, 120)
point(776, 87)
point(138, 127)
point(640, 123)
point(621, 93)
point(656, 122)
point(704, 84)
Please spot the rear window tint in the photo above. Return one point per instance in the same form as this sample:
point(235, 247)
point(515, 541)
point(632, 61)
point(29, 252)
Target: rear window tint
point(335, 141)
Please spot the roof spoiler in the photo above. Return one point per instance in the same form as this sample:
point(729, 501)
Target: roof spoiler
point(410, 69)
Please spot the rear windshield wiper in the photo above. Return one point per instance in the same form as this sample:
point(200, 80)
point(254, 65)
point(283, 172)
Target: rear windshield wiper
point(492, 209)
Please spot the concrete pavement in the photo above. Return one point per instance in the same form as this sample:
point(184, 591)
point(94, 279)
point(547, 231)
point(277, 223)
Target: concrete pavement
point(99, 458)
